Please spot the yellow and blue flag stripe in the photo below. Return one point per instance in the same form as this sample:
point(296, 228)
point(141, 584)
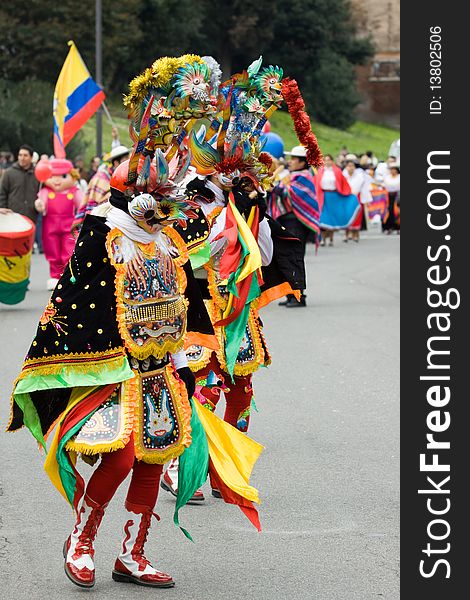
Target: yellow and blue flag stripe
point(76, 98)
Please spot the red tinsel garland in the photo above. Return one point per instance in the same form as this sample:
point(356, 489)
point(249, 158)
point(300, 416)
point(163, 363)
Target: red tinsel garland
point(230, 164)
point(295, 105)
point(265, 159)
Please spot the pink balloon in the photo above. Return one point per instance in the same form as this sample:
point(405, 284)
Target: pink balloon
point(43, 170)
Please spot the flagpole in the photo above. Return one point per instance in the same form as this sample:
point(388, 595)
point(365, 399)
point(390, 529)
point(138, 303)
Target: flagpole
point(108, 114)
point(99, 74)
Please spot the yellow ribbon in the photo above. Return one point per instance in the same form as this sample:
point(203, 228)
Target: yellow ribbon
point(233, 453)
point(253, 259)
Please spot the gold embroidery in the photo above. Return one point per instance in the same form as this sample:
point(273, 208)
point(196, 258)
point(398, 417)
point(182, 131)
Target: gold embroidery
point(155, 312)
point(76, 362)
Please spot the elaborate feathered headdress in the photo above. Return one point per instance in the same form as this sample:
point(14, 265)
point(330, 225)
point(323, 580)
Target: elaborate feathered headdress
point(231, 144)
point(160, 197)
point(164, 102)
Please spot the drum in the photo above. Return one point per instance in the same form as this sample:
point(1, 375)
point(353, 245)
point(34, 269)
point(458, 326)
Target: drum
point(16, 246)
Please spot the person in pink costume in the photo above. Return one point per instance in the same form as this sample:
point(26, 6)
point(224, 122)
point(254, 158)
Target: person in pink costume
point(58, 201)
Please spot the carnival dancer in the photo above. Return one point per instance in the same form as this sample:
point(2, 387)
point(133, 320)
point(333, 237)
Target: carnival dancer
point(293, 203)
point(242, 260)
point(107, 366)
point(340, 206)
point(359, 182)
point(211, 366)
point(58, 201)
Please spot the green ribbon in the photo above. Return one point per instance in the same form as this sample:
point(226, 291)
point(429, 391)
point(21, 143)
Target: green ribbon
point(70, 378)
point(193, 467)
point(235, 330)
point(201, 256)
point(30, 417)
point(66, 472)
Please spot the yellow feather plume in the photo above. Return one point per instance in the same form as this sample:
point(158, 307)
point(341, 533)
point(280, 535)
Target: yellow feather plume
point(158, 75)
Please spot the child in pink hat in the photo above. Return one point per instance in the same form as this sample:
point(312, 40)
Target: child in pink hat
point(58, 201)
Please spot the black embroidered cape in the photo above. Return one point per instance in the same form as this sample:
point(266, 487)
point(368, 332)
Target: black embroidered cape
point(77, 341)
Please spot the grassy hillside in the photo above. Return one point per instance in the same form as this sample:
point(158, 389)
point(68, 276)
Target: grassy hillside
point(359, 138)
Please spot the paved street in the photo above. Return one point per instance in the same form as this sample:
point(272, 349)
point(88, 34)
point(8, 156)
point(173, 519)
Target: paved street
point(328, 416)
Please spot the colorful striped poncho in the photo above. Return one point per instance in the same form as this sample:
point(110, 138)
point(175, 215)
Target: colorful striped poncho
point(297, 194)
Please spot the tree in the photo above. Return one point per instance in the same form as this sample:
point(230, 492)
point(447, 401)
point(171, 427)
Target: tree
point(331, 90)
point(34, 36)
point(238, 31)
point(26, 117)
point(171, 28)
point(316, 43)
point(229, 30)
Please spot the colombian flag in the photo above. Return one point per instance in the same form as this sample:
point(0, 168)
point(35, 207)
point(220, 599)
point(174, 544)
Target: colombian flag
point(76, 98)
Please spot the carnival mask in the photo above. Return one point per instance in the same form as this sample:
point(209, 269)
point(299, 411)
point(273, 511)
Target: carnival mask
point(228, 180)
point(147, 211)
point(153, 214)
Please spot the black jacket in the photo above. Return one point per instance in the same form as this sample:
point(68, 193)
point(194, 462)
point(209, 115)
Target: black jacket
point(18, 191)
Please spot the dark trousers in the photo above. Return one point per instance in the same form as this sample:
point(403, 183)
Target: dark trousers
point(298, 230)
point(390, 222)
point(38, 235)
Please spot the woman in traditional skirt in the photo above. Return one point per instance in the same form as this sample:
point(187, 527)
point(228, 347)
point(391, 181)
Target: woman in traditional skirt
point(340, 206)
point(359, 183)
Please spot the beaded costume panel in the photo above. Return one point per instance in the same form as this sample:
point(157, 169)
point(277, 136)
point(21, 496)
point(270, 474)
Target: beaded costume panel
point(253, 351)
point(151, 308)
point(108, 428)
point(162, 421)
point(198, 357)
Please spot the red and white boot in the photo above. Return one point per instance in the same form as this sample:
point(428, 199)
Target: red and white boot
point(78, 548)
point(169, 483)
point(131, 566)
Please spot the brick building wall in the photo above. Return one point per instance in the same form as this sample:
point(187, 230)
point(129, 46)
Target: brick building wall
point(379, 80)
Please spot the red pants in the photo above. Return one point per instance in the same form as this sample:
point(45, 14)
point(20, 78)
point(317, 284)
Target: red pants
point(237, 397)
point(114, 468)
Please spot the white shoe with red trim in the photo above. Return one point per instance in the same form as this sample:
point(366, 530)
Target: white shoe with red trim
point(131, 565)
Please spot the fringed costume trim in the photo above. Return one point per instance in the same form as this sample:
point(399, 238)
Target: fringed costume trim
point(180, 402)
point(127, 404)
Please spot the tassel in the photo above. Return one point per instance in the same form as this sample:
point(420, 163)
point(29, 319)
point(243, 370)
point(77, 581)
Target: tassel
point(295, 105)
